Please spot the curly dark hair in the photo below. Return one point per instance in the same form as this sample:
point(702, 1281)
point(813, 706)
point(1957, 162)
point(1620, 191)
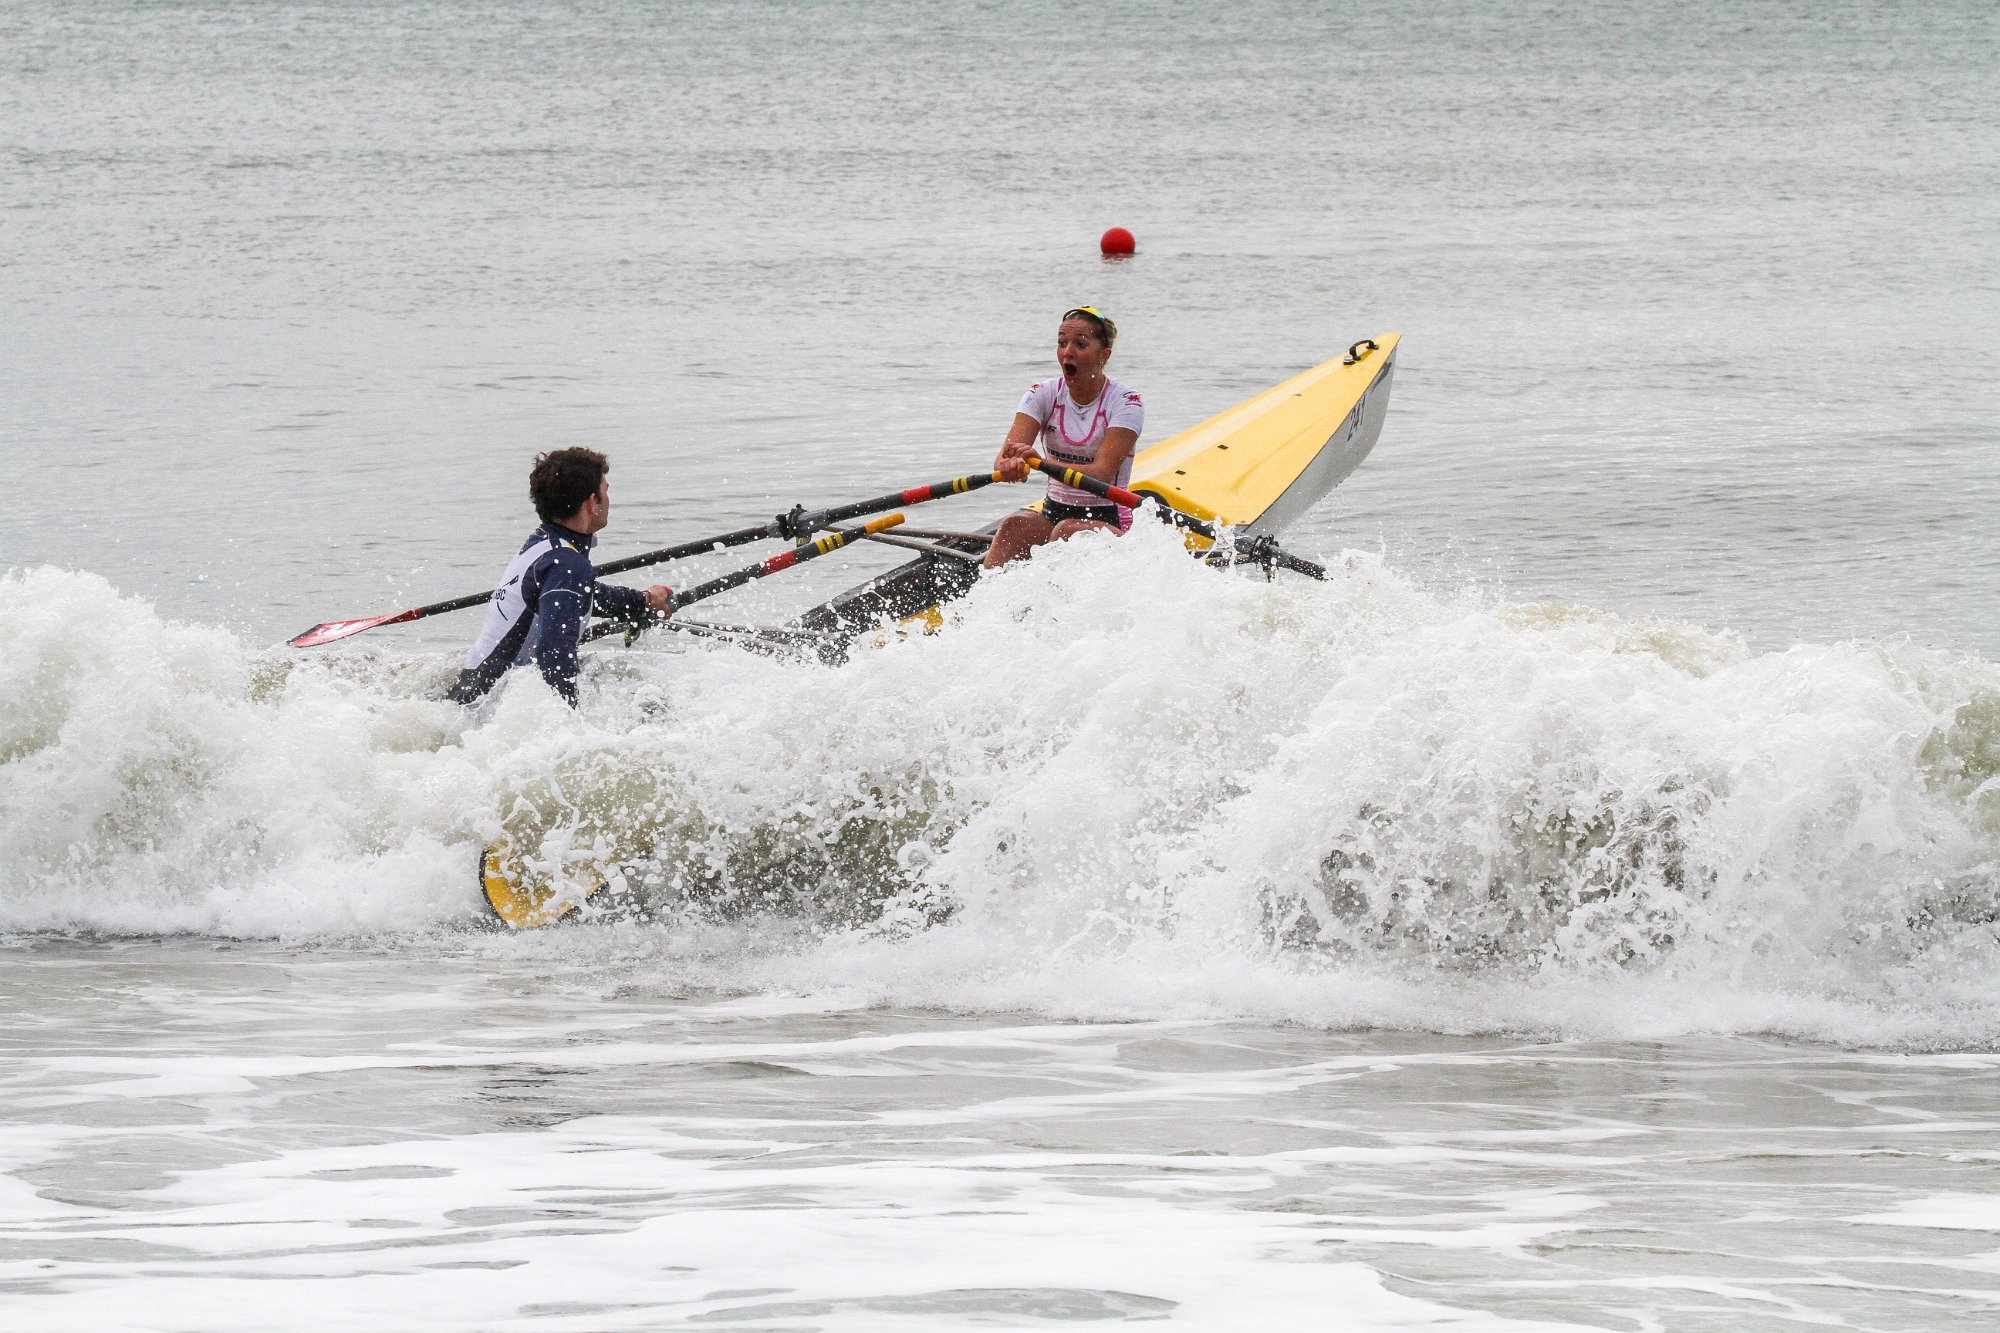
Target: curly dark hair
point(563, 479)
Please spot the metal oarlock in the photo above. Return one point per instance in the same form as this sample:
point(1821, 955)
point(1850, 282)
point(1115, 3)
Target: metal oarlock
point(1264, 550)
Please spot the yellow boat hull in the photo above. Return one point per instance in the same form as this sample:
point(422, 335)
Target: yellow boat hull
point(1263, 463)
point(1255, 468)
point(525, 898)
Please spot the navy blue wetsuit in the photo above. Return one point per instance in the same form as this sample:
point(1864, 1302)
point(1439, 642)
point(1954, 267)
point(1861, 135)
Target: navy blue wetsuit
point(539, 611)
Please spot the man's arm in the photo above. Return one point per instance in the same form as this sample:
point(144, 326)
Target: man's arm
point(619, 603)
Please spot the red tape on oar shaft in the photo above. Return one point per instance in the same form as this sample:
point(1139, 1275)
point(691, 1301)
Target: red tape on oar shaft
point(915, 495)
point(937, 490)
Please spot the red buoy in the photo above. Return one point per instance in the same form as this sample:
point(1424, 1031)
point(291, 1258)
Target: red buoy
point(1117, 241)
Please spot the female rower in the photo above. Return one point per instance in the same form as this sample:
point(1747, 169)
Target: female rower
point(1083, 420)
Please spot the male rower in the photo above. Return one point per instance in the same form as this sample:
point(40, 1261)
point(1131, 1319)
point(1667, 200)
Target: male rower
point(549, 591)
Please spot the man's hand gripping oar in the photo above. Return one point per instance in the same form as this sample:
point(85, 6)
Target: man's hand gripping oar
point(798, 525)
point(1259, 550)
point(784, 560)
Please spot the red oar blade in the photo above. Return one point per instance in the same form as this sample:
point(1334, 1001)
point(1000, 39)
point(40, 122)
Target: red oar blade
point(334, 630)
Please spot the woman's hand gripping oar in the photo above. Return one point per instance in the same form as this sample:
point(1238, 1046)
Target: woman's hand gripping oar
point(797, 525)
point(1260, 550)
point(784, 560)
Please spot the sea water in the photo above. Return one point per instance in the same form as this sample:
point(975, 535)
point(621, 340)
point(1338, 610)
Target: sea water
point(1578, 912)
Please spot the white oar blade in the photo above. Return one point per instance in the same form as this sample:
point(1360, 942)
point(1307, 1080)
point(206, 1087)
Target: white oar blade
point(335, 630)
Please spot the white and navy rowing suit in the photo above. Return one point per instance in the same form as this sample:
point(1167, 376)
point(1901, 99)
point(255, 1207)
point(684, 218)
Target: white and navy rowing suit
point(1073, 435)
point(539, 611)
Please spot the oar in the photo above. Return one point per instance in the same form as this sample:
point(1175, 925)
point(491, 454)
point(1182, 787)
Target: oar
point(1104, 490)
point(798, 525)
point(1262, 550)
point(833, 541)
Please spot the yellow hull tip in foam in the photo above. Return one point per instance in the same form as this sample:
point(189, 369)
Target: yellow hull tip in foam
point(522, 899)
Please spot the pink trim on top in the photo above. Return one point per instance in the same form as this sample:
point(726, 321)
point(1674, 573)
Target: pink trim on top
point(1062, 416)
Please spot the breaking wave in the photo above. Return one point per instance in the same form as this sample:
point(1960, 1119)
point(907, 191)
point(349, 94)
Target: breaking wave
point(1116, 784)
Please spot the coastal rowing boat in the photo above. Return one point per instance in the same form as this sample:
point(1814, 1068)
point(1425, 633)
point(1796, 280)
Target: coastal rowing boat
point(1253, 470)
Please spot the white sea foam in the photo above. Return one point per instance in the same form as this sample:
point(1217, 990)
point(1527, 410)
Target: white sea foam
point(1117, 783)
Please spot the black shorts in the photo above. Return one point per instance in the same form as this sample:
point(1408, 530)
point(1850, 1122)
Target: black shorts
point(1055, 511)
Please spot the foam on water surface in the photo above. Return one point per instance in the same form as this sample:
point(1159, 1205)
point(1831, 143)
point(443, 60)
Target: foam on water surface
point(1117, 784)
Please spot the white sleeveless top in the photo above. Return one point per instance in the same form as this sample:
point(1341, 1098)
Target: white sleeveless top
point(1072, 435)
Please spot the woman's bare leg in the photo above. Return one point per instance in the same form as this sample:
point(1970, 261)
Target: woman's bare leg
point(1018, 534)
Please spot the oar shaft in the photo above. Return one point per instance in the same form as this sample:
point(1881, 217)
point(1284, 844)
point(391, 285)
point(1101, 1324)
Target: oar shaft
point(740, 537)
point(783, 560)
point(916, 495)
